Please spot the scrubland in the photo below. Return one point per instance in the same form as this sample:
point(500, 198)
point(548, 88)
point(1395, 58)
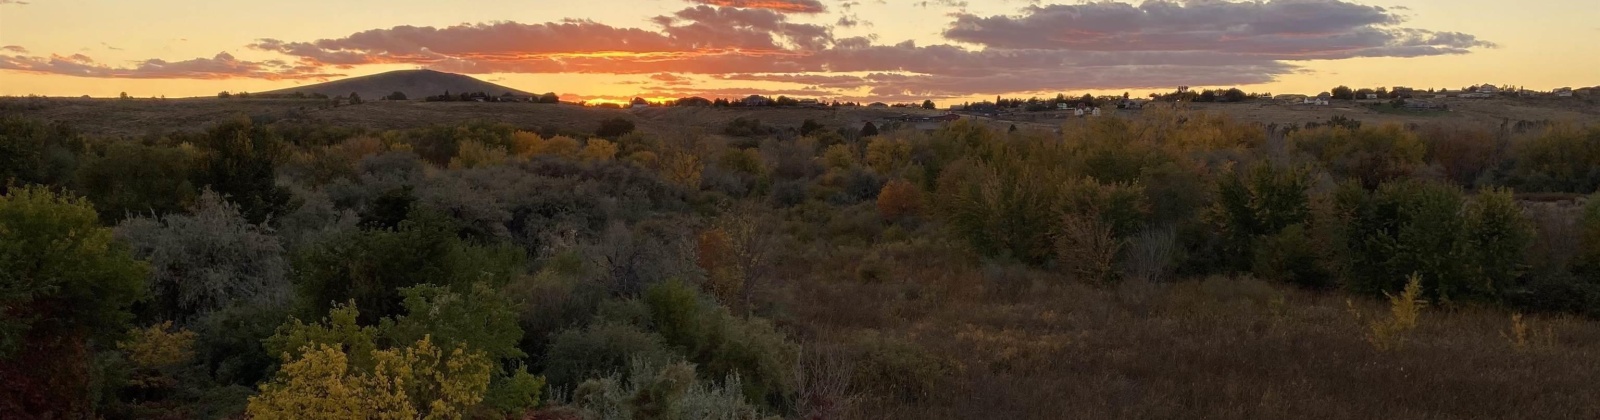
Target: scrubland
point(1170, 265)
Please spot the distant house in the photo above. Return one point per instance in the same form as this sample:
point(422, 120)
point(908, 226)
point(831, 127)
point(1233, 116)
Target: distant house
point(810, 102)
point(1372, 96)
point(639, 106)
point(1402, 92)
point(1477, 95)
point(1565, 92)
point(1487, 88)
point(947, 117)
point(1063, 106)
point(756, 100)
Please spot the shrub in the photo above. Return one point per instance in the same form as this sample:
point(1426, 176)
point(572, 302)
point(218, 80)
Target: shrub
point(1290, 256)
point(899, 199)
point(670, 391)
point(1258, 204)
point(1372, 155)
point(419, 381)
point(598, 350)
point(599, 150)
point(1404, 228)
point(207, 261)
point(130, 178)
point(1563, 159)
point(1497, 237)
point(613, 128)
point(1087, 248)
point(1390, 333)
point(66, 285)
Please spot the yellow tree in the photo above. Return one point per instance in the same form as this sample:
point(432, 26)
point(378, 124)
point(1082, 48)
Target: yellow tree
point(415, 382)
point(599, 150)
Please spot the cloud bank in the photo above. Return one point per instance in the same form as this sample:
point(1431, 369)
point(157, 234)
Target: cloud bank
point(1048, 48)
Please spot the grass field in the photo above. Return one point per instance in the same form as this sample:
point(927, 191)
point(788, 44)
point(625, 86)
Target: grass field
point(142, 116)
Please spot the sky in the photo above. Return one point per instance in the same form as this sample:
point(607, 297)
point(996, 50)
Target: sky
point(862, 50)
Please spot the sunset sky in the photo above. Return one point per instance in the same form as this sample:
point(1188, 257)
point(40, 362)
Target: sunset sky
point(849, 50)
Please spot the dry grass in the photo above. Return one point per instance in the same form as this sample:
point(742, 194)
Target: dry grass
point(945, 343)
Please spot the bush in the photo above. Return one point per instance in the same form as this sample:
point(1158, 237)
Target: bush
point(207, 261)
point(67, 286)
point(1258, 204)
point(1372, 155)
point(899, 199)
point(599, 350)
point(614, 128)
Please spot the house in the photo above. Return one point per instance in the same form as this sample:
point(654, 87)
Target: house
point(1063, 106)
point(1487, 89)
point(1290, 98)
point(756, 100)
point(810, 103)
point(1565, 92)
point(947, 117)
point(1402, 92)
point(640, 106)
point(1372, 96)
point(1477, 95)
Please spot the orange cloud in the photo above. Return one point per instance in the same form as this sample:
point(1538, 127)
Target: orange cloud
point(785, 6)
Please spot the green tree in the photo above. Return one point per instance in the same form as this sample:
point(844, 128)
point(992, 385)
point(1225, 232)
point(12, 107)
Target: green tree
point(869, 130)
point(35, 152)
point(240, 162)
point(613, 128)
point(129, 178)
point(66, 286)
point(1343, 92)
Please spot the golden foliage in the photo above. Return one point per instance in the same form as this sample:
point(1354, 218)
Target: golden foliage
point(715, 254)
point(645, 158)
point(839, 156)
point(414, 382)
point(526, 144)
point(899, 198)
point(156, 348)
point(473, 154)
point(1524, 335)
point(885, 154)
point(1404, 309)
point(599, 150)
point(682, 169)
point(1087, 248)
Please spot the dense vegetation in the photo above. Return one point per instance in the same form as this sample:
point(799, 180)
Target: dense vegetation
point(1176, 265)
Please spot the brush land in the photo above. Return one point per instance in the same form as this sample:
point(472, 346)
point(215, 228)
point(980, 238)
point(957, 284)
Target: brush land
point(278, 258)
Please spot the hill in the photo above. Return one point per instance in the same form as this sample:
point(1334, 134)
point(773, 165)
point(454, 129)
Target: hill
point(416, 84)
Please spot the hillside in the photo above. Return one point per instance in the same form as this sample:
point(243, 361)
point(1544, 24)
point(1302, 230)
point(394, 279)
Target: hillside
point(416, 84)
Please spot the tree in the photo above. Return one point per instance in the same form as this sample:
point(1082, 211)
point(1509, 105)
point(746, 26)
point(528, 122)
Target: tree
point(613, 128)
point(224, 95)
point(928, 104)
point(869, 130)
point(240, 162)
point(207, 261)
point(129, 178)
point(549, 98)
point(35, 152)
point(1343, 92)
point(809, 126)
point(355, 98)
point(1234, 95)
point(899, 199)
point(396, 96)
point(66, 286)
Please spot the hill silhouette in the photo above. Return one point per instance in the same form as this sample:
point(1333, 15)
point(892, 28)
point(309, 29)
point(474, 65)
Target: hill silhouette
point(416, 84)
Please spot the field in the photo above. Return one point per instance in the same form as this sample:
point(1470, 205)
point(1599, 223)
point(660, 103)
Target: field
point(509, 260)
point(140, 116)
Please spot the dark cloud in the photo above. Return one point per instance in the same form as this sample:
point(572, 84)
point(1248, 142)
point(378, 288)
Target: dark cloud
point(223, 66)
point(1278, 29)
point(14, 48)
point(784, 6)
